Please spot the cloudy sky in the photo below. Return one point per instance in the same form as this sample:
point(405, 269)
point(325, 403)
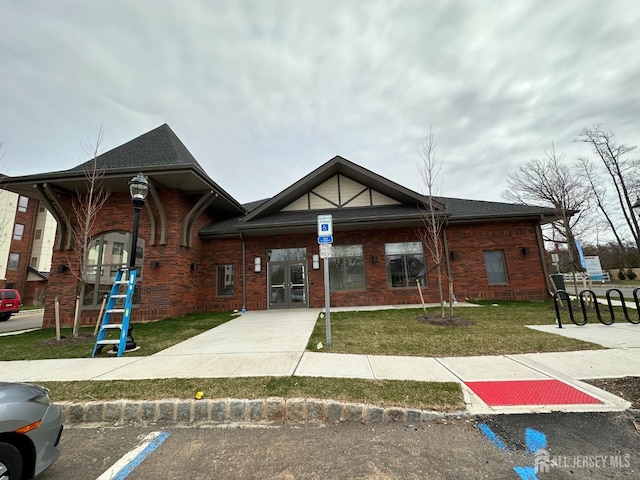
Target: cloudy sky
point(263, 92)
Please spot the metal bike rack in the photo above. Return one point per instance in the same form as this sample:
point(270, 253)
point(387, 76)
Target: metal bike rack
point(563, 295)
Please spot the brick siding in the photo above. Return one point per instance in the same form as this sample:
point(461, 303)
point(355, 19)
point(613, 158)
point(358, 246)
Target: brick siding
point(174, 288)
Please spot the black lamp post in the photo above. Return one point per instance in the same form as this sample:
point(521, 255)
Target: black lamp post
point(138, 188)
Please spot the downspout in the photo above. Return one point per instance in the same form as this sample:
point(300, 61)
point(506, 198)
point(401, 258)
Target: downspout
point(244, 272)
point(542, 259)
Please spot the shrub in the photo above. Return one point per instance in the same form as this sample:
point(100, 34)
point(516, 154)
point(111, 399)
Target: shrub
point(621, 275)
point(631, 275)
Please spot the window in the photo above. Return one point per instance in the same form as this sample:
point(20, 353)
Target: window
point(405, 264)
point(38, 234)
point(102, 264)
point(34, 262)
point(287, 254)
point(346, 268)
point(14, 261)
point(118, 249)
point(9, 294)
point(23, 203)
point(494, 264)
point(226, 280)
point(117, 254)
point(18, 231)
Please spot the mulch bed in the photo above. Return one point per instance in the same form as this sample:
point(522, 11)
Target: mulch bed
point(446, 321)
point(66, 341)
point(626, 387)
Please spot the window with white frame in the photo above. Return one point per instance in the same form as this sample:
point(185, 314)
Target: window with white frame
point(405, 264)
point(495, 267)
point(346, 268)
point(23, 203)
point(18, 231)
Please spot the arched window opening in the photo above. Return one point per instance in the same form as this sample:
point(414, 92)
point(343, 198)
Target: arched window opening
point(106, 254)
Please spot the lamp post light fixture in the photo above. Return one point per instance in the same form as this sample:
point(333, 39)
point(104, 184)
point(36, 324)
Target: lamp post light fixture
point(138, 188)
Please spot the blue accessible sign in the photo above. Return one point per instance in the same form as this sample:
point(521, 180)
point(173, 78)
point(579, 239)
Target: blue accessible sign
point(325, 226)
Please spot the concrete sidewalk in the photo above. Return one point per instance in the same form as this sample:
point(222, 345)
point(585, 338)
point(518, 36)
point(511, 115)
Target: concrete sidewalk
point(273, 343)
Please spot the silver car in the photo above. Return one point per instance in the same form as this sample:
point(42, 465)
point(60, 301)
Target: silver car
point(30, 429)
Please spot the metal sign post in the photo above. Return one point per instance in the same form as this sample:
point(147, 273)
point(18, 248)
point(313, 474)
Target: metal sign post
point(327, 303)
point(325, 240)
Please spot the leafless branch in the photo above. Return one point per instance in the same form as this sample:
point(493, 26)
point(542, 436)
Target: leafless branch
point(622, 172)
point(550, 182)
point(86, 206)
point(433, 219)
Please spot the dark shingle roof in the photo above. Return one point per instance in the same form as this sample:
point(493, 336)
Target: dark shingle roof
point(157, 148)
point(460, 209)
point(158, 154)
point(456, 210)
point(267, 216)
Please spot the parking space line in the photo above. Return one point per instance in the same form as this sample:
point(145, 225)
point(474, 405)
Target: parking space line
point(130, 460)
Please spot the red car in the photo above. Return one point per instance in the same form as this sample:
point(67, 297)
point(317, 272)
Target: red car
point(9, 303)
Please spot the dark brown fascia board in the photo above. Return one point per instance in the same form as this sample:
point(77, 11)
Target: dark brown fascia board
point(542, 219)
point(390, 222)
point(404, 221)
point(72, 176)
point(337, 165)
point(337, 223)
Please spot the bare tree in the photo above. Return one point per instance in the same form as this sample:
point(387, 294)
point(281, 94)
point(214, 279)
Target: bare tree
point(86, 207)
point(550, 182)
point(599, 195)
point(622, 173)
point(431, 233)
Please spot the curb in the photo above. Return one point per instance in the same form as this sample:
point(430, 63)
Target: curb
point(269, 411)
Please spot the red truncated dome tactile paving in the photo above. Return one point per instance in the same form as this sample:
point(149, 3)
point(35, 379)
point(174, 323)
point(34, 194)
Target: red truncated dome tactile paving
point(529, 392)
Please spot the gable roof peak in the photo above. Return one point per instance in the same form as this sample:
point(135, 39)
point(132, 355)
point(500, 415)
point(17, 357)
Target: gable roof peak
point(334, 166)
point(156, 148)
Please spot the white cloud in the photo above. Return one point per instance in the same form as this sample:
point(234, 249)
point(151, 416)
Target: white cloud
point(263, 92)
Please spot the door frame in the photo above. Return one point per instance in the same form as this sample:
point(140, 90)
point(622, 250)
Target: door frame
point(287, 285)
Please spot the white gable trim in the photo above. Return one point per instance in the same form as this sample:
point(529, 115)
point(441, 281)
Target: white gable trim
point(339, 192)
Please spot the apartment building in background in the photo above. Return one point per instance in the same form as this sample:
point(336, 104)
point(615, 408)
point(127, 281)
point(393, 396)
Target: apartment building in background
point(27, 239)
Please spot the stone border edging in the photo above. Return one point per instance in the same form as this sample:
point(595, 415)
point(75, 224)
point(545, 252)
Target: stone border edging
point(273, 410)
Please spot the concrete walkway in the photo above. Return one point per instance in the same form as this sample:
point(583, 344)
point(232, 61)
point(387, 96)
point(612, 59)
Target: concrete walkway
point(273, 343)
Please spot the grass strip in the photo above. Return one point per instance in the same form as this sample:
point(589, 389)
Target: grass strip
point(440, 396)
point(151, 337)
point(498, 328)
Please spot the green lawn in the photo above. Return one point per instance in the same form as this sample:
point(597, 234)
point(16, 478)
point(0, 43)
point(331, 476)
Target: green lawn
point(443, 396)
point(497, 328)
point(152, 337)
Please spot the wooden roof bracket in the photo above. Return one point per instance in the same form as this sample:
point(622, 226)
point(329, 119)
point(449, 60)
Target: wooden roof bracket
point(190, 219)
point(54, 206)
point(161, 214)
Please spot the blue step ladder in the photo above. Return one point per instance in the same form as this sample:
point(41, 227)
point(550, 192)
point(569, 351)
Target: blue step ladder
point(125, 278)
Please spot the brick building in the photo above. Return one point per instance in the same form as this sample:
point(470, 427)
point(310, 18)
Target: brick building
point(200, 250)
point(27, 234)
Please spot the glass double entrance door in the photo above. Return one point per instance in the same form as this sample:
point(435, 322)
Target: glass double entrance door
point(288, 284)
